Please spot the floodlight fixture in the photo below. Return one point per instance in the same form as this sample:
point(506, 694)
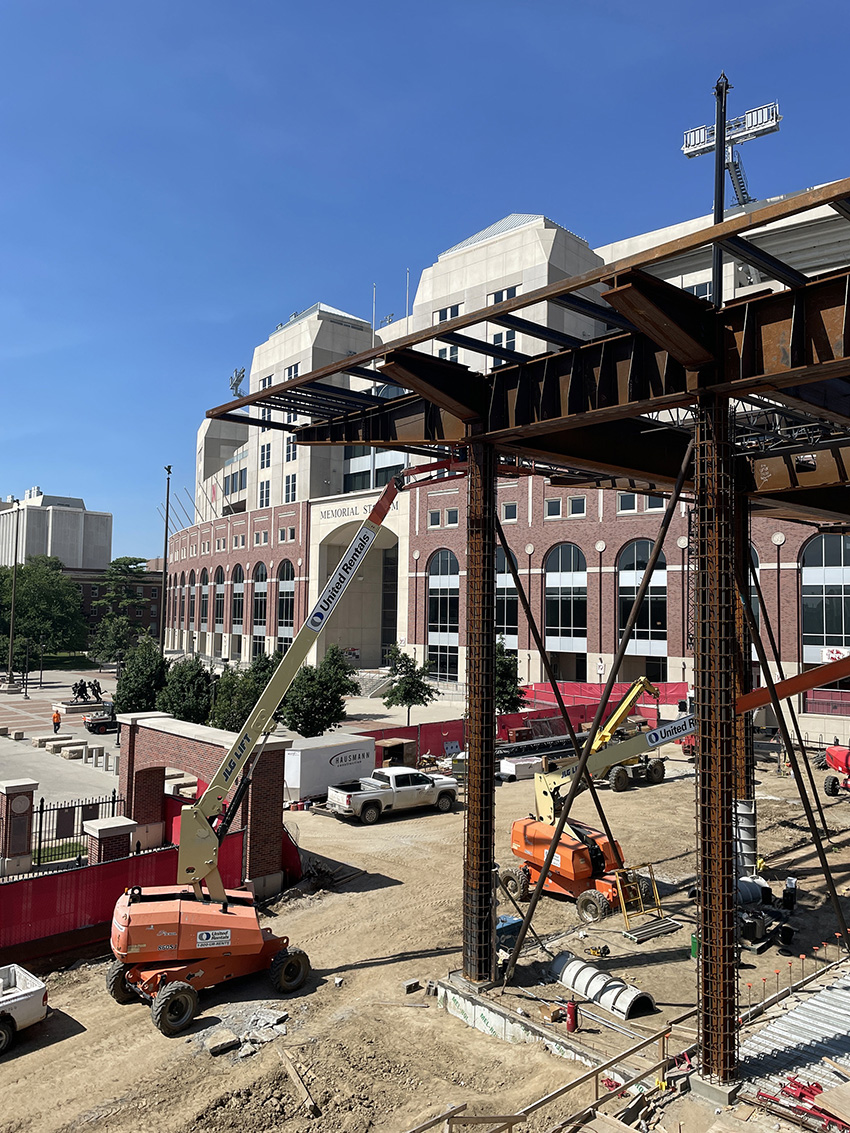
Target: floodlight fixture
point(753, 124)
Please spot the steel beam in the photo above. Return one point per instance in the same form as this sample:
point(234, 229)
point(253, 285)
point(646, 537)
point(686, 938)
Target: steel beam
point(735, 226)
point(479, 943)
point(535, 330)
point(773, 268)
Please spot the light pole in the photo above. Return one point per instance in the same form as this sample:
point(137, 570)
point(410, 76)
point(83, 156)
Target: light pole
point(41, 667)
point(10, 666)
point(26, 673)
point(164, 562)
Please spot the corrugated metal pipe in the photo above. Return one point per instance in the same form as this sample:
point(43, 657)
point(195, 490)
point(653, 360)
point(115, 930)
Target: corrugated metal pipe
point(746, 855)
point(610, 992)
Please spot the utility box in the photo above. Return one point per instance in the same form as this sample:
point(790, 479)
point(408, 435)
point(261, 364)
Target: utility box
point(395, 753)
point(312, 765)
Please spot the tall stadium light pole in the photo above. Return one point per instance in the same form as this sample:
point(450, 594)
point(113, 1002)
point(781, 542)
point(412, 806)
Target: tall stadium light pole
point(9, 667)
point(164, 563)
point(720, 92)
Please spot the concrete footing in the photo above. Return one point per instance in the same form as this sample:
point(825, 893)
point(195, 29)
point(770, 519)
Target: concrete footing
point(716, 1093)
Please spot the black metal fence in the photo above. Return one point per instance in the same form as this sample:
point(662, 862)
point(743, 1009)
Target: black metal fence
point(57, 828)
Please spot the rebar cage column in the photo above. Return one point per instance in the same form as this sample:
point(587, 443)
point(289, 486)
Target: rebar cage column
point(715, 656)
point(479, 952)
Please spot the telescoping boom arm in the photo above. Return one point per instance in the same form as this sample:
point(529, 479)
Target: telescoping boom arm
point(197, 859)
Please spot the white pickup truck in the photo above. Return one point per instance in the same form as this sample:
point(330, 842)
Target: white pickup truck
point(23, 1001)
point(391, 788)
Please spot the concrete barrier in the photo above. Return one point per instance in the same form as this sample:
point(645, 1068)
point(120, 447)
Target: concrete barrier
point(93, 754)
point(4, 730)
point(55, 746)
point(43, 741)
point(73, 752)
point(112, 762)
point(17, 735)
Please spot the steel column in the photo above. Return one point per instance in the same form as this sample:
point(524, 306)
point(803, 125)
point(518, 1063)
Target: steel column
point(479, 945)
point(714, 685)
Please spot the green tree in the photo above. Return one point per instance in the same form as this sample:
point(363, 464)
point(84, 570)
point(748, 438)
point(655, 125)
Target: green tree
point(410, 685)
point(142, 677)
point(510, 697)
point(115, 633)
point(237, 692)
point(338, 672)
point(187, 692)
point(48, 607)
point(314, 702)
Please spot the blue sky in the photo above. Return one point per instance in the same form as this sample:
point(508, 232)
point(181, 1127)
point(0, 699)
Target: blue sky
point(179, 177)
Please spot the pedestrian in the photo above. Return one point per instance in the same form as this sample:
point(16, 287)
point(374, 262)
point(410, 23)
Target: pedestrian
point(57, 720)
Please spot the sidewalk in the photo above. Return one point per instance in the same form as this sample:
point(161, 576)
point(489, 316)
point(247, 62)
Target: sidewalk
point(58, 779)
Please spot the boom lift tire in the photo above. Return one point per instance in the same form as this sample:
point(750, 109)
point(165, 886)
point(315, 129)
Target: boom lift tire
point(117, 985)
point(7, 1035)
point(174, 1008)
point(289, 969)
point(645, 886)
point(655, 770)
point(592, 906)
point(831, 786)
point(444, 803)
point(370, 814)
point(618, 779)
point(516, 883)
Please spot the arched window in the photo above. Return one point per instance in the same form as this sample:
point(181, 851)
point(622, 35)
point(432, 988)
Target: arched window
point(237, 600)
point(651, 625)
point(285, 605)
point(825, 595)
point(565, 572)
point(182, 599)
point(205, 599)
point(218, 600)
point(192, 593)
point(261, 585)
point(507, 603)
point(443, 615)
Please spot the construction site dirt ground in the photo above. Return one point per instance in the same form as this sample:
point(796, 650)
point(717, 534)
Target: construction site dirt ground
point(373, 1057)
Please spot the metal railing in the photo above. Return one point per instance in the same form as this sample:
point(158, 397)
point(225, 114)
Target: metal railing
point(57, 829)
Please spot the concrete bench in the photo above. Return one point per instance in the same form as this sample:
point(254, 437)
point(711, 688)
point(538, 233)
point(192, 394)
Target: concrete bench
point(17, 735)
point(43, 741)
point(73, 752)
point(4, 730)
point(55, 746)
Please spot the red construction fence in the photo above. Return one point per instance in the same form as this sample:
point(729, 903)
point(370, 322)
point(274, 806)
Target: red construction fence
point(579, 692)
point(35, 909)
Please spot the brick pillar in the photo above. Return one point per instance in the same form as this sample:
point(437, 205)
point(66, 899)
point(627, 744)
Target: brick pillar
point(16, 825)
point(109, 838)
point(264, 835)
point(149, 796)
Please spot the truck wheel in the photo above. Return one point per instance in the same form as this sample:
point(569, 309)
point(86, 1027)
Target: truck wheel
point(592, 906)
point(101, 729)
point(289, 969)
point(370, 814)
point(830, 786)
point(516, 883)
point(444, 803)
point(618, 779)
point(7, 1035)
point(655, 770)
point(646, 894)
point(116, 984)
point(174, 1008)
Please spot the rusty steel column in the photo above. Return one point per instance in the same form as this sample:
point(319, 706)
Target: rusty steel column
point(715, 653)
point(479, 945)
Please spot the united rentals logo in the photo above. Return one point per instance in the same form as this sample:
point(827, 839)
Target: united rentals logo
point(684, 726)
point(338, 582)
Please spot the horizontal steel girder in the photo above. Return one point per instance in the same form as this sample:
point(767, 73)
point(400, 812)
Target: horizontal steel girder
point(563, 290)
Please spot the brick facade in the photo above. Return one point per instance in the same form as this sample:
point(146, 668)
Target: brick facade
point(150, 745)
